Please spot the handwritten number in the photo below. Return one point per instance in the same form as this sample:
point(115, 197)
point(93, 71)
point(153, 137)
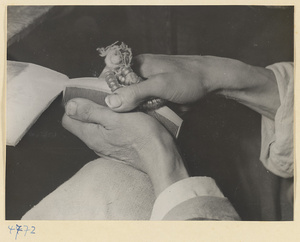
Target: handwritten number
point(11, 228)
point(18, 228)
point(26, 229)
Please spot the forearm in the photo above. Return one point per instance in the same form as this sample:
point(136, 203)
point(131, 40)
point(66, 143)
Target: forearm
point(252, 86)
point(167, 165)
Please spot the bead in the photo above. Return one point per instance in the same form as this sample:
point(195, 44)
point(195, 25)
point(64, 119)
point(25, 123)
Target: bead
point(118, 59)
point(112, 81)
point(132, 78)
point(122, 79)
point(126, 70)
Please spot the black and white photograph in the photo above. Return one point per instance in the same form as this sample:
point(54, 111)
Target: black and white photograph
point(160, 113)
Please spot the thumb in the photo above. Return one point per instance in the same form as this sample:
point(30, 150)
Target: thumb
point(129, 97)
point(125, 99)
point(89, 112)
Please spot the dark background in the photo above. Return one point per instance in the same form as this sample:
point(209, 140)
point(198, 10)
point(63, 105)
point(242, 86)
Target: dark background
point(220, 138)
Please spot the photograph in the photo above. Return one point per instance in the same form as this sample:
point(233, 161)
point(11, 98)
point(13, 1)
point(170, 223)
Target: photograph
point(149, 113)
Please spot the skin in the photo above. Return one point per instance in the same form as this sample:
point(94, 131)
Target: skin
point(140, 140)
point(185, 79)
point(136, 138)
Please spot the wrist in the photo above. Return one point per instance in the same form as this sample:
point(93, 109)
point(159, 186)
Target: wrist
point(220, 73)
point(167, 167)
point(255, 87)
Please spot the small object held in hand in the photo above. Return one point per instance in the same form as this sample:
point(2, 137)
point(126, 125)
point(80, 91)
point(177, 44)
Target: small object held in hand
point(112, 81)
point(119, 73)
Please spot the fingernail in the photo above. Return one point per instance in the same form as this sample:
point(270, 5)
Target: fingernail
point(71, 108)
point(113, 101)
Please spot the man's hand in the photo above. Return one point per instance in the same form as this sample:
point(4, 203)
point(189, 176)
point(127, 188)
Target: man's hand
point(185, 79)
point(135, 138)
point(174, 78)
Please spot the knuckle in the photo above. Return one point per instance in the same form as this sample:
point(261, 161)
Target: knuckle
point(141, 58)
point(136, 95)
point(143, 64)
point(148, 59)
point(94, 140)
point(129, 96)
point(87, 111)
point(133, 92)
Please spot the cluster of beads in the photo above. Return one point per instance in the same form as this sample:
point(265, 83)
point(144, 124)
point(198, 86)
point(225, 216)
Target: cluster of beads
point(120, 74)
point(126, 76)
point(112, 81)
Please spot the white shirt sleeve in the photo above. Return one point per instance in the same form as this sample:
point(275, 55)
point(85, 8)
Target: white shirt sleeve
point(182, 191)
point(276, 150)
point(277, 135)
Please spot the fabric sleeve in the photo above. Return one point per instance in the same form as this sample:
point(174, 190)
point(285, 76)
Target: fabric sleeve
point(194, 198)
point(277, 135)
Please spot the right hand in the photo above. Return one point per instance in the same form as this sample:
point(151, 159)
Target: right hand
point(135, 138)
point(178, 79)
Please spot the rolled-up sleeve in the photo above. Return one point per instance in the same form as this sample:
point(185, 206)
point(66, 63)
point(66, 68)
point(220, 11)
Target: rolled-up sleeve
point(277, 135)
point(199, 198)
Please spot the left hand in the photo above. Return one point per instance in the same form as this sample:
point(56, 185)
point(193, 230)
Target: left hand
point(135, 138)
point(186, 79)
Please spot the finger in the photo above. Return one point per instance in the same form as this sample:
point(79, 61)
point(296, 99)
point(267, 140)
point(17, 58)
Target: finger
point(147, 65)
point(90, 112)
point(91, 134)
point(128, 98)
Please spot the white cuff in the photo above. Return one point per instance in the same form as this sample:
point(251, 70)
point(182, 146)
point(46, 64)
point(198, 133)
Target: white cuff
point(182, 191)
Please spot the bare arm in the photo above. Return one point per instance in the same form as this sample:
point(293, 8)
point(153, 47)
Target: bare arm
point(185, 79)
point(252, 86)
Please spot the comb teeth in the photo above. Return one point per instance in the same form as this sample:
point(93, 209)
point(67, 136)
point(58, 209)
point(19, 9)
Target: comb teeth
point(152, 104)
